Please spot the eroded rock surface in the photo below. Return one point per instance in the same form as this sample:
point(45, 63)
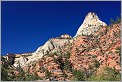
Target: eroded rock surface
point(90, 25)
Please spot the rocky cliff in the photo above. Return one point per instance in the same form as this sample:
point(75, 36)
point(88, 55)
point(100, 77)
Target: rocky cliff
point(101, 47)
point(94, 47)
point(53, 45)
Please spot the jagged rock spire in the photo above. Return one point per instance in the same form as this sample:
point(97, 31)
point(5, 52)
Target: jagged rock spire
point(90, 24)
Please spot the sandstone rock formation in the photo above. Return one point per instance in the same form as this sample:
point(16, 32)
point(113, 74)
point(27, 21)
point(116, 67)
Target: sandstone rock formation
point(51, 46)
point(20, 61)
point(103, 49)
point(90, 25)
point(66, 36)
point(94, 46)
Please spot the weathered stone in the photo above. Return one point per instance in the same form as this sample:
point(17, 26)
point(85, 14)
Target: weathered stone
point(90, 25)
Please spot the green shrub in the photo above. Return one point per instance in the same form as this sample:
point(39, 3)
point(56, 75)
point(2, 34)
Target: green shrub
point(31, 77)
point(6, 74)
point(96, 64)
point(65, 75)
point(67, 55)
point(78, 75)
point(111, 21)
point(47, 73)
point(118, 20)
point(118, 50)
point(26, 76)
point(108, 75)
point(67, 65)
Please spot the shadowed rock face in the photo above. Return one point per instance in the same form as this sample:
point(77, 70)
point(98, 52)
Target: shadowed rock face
point(90, 25)
point(11, 58)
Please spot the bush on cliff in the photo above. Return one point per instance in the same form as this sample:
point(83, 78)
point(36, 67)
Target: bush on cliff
point(108, 75)
point(78, 75)
point(5, 71)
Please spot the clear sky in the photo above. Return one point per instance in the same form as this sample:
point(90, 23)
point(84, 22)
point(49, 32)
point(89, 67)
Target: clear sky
point(28, 25)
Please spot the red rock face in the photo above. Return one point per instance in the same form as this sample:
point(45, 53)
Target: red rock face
point(101, 47)
point(86, 51)
point(48, 64)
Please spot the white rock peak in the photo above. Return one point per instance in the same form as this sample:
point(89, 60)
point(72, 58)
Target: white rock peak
point(51, 46)
point(90, 25)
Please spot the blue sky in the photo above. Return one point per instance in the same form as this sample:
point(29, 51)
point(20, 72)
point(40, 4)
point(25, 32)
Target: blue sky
point(28, 25)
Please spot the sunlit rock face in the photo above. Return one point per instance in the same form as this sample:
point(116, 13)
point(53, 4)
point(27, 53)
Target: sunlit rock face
point(66, 36)
point(51, 46)
point(21, 59)
point(90, 25)
point(103, 49)
point(90, 54)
